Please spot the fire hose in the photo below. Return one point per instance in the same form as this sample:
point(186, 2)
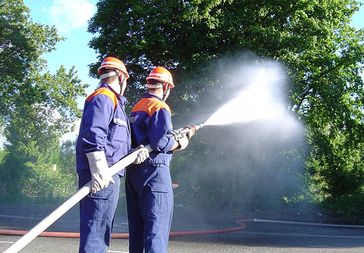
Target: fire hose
point(80, 194)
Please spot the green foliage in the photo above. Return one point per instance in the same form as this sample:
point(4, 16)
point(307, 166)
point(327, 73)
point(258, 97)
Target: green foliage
point(68, 163)
point(349, 206)
point(37, 107)
point(34, 166)
point(322, 53)
point(22, 68)
point(22, 43)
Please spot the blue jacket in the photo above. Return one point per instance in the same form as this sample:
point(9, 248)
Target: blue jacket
point(151, 123)
point(104, 126)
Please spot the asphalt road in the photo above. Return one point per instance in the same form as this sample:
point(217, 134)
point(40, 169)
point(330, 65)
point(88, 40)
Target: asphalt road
point(257, 236)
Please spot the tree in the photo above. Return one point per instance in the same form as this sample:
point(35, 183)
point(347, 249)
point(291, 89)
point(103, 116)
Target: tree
point(68, 162)
point(322, 53)
point(34, 165)
point(23, 70)
point(22, 43)
point(37, 107)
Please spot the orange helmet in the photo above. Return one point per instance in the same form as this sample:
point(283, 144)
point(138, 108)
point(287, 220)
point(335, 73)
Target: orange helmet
point(113, 63)
point(161, 74)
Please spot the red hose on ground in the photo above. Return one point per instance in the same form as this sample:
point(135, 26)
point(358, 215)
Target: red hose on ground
point(240, 226)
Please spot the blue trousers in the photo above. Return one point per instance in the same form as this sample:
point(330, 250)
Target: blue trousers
point(149, 197)
point(97, 211)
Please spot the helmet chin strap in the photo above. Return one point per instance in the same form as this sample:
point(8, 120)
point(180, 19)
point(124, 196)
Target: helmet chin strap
point(115, 86)
point(165, 86)
point(122, 85)
point(166, 92)
point(119, 84)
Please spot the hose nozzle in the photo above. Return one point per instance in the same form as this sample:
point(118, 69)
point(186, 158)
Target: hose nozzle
point(198, 126)
point(188, 131)
point(194, 127)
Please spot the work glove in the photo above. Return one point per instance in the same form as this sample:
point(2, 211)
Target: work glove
point(181, 138)
point(100, 173)
point(191, 131)
point(142, 155)
point(183, 142)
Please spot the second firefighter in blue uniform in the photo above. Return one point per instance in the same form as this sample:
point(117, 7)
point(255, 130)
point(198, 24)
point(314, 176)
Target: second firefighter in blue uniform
point(148, 185)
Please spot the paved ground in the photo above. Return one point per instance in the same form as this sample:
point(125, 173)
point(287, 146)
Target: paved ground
point(257, 236)
point(261, 236)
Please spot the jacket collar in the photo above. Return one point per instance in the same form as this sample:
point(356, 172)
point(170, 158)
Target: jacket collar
point(148, 95)
point(122, 99)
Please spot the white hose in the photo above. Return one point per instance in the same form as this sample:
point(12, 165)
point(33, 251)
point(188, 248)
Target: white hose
point(67, 205)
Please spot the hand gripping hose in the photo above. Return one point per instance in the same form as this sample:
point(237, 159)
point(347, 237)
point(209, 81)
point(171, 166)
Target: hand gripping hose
point(67, 205)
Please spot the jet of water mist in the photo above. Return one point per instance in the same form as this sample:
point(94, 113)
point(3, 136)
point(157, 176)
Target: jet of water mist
point(258, 101)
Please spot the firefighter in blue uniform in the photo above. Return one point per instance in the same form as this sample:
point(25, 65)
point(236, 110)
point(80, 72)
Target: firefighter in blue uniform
point(104, 138)
point(148, 185)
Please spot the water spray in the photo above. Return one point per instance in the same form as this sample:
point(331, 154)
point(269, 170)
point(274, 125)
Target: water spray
point(259, 100)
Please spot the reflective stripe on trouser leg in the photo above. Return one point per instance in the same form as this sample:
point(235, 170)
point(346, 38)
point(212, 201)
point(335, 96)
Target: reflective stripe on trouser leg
point(97, 212)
